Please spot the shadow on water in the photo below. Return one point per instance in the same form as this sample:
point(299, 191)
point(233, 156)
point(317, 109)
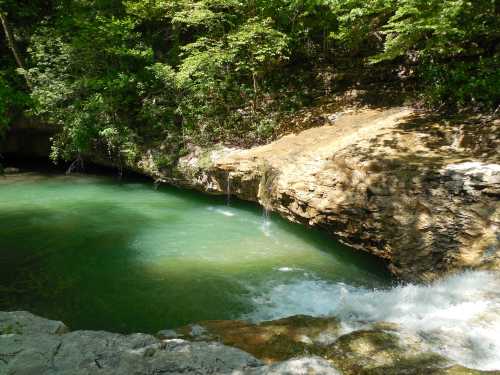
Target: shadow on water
point(56, 262)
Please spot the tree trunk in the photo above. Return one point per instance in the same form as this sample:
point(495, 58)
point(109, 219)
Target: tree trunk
point(12, 46)
point(255, 91)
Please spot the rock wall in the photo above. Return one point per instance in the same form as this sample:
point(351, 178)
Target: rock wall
point(419, 192)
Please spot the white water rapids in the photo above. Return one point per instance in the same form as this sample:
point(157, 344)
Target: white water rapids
point(458, 317)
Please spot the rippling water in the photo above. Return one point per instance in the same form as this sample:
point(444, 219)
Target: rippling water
point(458, 317)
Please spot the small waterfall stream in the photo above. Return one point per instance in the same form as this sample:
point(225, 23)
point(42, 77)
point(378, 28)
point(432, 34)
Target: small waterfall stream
point(228, 189)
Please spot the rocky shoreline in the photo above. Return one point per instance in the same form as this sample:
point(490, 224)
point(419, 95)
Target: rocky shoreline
point(296, 345)
point(421, 193)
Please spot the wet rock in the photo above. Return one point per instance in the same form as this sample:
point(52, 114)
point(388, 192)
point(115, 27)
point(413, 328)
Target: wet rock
point(459, 370)
point(382, 352)
point(298, 366)
point(271, 341)
point(39, 348)
point(167, 334)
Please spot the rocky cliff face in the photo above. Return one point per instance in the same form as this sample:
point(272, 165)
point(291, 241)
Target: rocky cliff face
point(419, 192)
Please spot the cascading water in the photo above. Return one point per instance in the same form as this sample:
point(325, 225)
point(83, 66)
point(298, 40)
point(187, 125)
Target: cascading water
point(268, 175)
point(228, 189)
point(458, 317)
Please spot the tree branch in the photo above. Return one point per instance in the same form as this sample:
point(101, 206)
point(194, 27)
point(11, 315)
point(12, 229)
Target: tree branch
point(12, 46)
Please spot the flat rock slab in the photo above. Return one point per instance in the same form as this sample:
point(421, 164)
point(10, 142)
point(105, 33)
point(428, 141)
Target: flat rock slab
point(30, 345)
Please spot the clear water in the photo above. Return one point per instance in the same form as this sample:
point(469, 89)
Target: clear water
point(124, 257)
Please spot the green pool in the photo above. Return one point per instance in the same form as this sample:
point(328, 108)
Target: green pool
point(121, 256)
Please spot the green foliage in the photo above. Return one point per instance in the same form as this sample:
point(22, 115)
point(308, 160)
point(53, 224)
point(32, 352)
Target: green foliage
point(451, 45)
point(441, 28)
point(360, 23)
point(116, 75)
point(454, 43)
point(463, 82)
point(87, 82)
point(220, 76)
point(12, 102)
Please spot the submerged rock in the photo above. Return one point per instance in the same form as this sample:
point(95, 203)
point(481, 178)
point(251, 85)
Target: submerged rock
point(270, 341)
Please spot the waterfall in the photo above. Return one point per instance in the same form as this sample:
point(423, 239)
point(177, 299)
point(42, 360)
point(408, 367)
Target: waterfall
point(228, 189)
point(266, 187)
point(266, 215)
point(457, 139)
point(265, 194)
point(457, 317)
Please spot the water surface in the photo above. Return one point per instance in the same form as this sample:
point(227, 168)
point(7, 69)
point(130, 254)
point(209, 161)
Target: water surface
point(121, 256)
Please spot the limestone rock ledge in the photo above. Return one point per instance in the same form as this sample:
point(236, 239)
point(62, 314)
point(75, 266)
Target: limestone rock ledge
point(420, 192)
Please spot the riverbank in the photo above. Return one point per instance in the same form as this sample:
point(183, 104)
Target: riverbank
point(296, 345)
point(421, 192)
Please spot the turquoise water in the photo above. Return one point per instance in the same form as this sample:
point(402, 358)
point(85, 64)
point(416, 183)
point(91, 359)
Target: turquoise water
point(124, 257)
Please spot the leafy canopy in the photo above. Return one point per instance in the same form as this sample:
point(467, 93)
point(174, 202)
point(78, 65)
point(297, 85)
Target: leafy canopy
point(117, 75)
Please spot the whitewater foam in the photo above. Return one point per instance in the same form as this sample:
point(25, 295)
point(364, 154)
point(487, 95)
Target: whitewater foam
point(458, 317)
point(288, 269)
point(222, 211)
